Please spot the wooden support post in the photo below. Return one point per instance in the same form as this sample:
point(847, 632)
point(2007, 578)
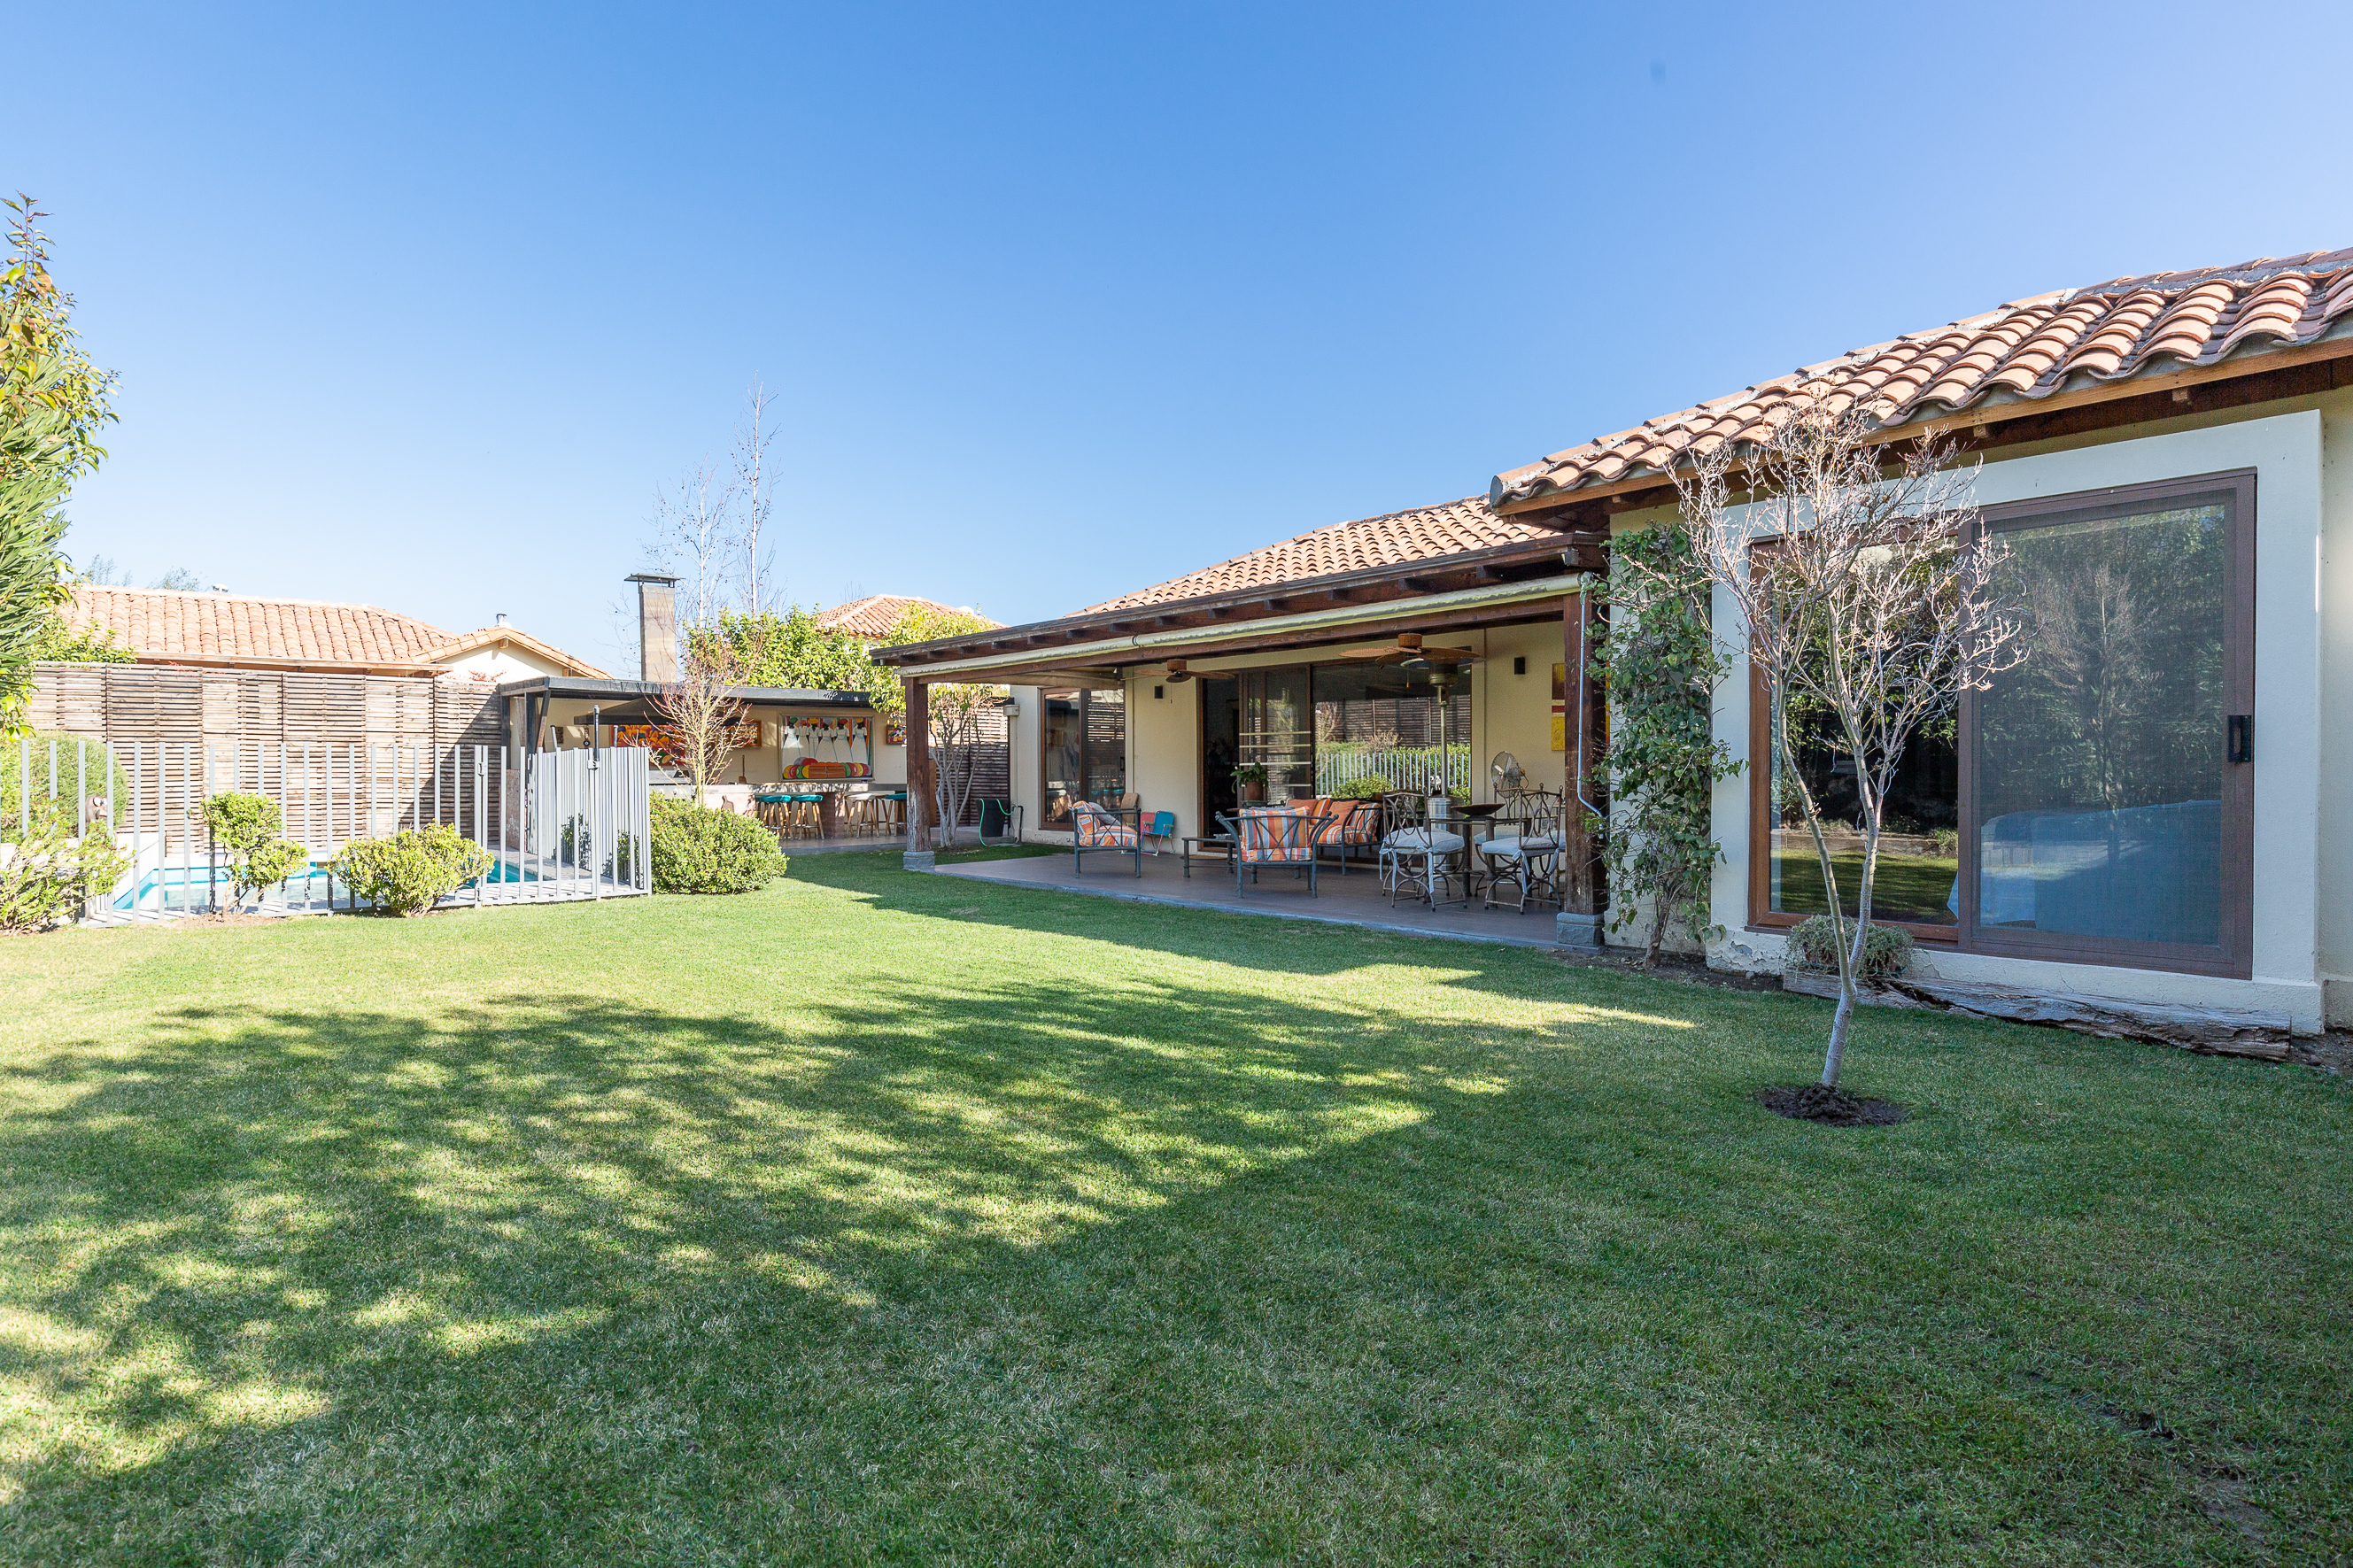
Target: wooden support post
point(1584, 887)
point(918, 771)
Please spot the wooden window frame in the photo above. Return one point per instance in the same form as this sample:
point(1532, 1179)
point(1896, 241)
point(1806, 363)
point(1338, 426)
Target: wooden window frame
point(2235, 956)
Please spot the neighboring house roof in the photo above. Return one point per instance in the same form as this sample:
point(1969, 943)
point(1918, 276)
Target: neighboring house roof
point(162, 624)
point(1392, 539)
point(494, 636)
point(875, 615)
point(169, 626)
point(2072, 342)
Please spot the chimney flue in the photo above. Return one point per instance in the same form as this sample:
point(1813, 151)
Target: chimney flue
point(657, 627)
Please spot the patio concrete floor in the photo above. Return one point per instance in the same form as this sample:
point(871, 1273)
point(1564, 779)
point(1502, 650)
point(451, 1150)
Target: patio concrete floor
point(1354, 900)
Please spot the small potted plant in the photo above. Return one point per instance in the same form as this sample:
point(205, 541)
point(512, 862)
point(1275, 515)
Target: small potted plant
point(1252, 779)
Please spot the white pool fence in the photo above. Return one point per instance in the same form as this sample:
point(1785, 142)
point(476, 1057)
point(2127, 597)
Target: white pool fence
point(559, 825)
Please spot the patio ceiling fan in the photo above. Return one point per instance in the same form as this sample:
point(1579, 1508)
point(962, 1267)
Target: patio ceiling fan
point(1176, 671)
point(1412, 653)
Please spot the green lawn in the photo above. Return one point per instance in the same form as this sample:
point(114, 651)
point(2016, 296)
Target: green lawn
point(891, 1218)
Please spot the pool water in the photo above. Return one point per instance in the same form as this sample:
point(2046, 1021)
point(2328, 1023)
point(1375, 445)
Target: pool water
point(190, 886)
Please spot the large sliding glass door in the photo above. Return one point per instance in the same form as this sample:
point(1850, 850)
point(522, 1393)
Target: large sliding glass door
point(2094, 803)
point(2106, 816)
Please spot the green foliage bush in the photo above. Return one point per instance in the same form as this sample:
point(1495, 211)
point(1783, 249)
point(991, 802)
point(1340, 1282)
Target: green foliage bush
point(47, 875)
point(698, 850)
point(91, 755)
point(408, 873)
point(1813, 946)
point(1371, 788)
point(245, 828)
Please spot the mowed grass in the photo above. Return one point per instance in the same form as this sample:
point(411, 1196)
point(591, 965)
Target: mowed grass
point(881, 1217)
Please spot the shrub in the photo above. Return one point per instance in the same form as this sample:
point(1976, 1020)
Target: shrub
point(48, 874)
point(246, 827)
point(703, 851)
point(91, 757)
point(1370, 788)
point(408, 873)
point(1813, 945)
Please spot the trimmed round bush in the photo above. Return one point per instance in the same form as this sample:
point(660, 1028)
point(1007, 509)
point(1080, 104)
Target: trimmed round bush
point(408, 873)
point(699, 850)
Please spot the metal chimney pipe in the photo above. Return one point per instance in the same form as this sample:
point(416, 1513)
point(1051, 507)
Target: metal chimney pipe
point(656, 626)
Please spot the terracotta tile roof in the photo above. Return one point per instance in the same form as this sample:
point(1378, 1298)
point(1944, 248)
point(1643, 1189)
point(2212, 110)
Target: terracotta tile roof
point(875, 615)
point(163, 623)
point(1393, 539)
point(2026, 351)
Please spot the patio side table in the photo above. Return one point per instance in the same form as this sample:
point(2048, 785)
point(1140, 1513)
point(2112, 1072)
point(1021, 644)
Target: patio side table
point(1208, 845)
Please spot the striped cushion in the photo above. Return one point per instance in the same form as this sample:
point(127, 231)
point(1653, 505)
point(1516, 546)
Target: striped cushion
point(1277, 836)
point(1099, 829)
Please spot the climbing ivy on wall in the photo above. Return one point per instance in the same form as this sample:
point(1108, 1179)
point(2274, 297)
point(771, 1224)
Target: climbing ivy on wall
point(1663, 664)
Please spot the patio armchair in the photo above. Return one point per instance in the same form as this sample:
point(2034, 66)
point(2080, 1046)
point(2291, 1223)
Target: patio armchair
point(1527, 861)
point(1099, 828)
point(1274, 837)
point(1351, 827)
point(1415, 853)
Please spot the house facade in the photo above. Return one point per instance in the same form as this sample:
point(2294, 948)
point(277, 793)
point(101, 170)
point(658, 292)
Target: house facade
point(2152, 807)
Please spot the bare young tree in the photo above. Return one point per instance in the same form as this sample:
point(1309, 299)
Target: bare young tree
point(956, 721)
point(1862, 586)
point(693, 536)
point(753, 496)
point(700, 714)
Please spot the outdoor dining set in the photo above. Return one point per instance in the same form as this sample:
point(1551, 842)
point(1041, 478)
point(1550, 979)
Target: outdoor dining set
point(1505, 854)
point(799, 812)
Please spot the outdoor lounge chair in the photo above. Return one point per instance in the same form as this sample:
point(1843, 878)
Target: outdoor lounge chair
point(1353, 828)
point(1262, 837)
point(1099, 827)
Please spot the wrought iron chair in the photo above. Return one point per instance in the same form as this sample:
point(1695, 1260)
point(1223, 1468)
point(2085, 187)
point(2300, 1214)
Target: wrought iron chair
point(1417, 854)
point(1527, 861)
point(1099, 828)
point(1274, 837)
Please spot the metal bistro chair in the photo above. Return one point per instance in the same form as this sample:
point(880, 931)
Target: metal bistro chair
point(1274, 837)
point(1527, 861)
point(1099, 828)
point(1414, 852)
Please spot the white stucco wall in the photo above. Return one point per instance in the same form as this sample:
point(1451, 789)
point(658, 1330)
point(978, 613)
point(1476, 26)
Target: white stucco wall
point(2285, 450)
point(500, 661)
point(1164, 744)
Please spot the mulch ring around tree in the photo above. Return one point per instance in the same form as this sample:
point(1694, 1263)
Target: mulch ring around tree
point(1830, 1107)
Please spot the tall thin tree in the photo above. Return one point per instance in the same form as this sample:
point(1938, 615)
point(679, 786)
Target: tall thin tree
point(1861, 585)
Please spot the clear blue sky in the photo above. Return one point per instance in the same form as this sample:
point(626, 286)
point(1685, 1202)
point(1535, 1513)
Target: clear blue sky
point(423, 308)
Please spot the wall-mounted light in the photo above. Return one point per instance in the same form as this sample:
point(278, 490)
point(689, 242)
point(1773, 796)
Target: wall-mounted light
point(1519, 664)
point(1156, 694)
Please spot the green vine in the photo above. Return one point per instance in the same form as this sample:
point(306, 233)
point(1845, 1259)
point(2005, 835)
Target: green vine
point(1662, 664)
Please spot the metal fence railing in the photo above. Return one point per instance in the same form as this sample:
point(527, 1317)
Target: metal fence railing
point(1414, 768)
point(558, 824)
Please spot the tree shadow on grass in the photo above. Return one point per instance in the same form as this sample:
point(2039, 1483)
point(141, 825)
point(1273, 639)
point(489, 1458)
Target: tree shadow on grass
point(283, 1279)
point(1030, 1271)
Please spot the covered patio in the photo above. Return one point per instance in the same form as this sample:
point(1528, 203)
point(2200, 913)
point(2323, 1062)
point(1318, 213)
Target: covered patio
point(1445, 648)
point(1355, 899)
